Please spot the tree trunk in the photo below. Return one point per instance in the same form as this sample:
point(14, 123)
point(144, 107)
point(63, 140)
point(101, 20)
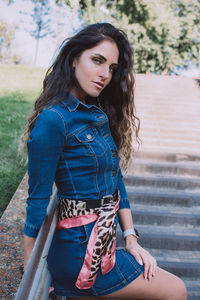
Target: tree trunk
point(36, 51)
point(165, 71)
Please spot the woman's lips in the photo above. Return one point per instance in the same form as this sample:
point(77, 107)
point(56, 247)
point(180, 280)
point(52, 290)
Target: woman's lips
point(99, 85)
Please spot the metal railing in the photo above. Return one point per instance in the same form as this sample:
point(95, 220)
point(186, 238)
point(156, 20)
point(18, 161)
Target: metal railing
point(36, 280)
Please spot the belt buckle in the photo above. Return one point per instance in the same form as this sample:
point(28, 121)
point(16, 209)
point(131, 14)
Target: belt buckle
point(107, 197)
point(81, 205)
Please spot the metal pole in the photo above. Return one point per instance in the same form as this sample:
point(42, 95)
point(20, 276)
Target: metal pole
point(39, 253)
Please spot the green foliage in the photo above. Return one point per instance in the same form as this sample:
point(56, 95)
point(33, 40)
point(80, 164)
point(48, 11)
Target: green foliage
point(13, 109)
point(98, 12)
point(74, 4)
point(19, 86)
point(7, 34)
point(164, 34)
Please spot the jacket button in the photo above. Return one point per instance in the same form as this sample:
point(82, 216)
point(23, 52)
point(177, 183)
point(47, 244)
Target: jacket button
point(114, 173)
point(89, 136)
point(114, 153)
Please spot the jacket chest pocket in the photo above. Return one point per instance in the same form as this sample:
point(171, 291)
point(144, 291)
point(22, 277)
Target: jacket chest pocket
point(91, 142)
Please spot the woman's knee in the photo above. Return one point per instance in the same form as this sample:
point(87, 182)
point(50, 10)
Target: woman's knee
point(169, 286)
point(181, 290)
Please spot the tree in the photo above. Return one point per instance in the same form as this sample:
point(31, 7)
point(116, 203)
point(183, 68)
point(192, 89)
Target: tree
point(188, 45)
point(40, 22)
point(164, 34)
point(7, 34)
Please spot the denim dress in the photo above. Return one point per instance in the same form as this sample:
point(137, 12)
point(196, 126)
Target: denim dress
point(71, 145)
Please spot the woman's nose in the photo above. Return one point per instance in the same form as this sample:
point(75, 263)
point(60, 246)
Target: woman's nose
point(105, 72)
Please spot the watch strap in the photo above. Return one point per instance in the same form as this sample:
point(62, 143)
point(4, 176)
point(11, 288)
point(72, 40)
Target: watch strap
point(132, 231)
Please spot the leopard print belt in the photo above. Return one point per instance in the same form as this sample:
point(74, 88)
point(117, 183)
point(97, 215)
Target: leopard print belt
point(100, 252)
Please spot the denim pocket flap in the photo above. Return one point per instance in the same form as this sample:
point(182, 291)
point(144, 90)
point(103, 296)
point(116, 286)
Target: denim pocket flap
point(87, 135)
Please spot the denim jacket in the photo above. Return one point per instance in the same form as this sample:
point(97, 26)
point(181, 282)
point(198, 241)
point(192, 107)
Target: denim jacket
point(72, 145)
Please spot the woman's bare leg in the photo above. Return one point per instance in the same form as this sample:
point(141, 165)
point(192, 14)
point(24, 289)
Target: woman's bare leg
point(85, 298)
point(164, 286)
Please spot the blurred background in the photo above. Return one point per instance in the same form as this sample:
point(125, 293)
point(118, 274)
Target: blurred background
point(163, 180)
point(165, 36)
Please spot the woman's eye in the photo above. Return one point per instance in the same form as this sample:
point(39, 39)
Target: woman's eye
point(96, 60)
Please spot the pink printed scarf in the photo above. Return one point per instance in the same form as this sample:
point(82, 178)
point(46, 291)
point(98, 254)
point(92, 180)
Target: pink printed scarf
point(100, 252)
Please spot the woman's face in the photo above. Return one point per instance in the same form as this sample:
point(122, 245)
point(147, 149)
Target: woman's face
point(94, 69)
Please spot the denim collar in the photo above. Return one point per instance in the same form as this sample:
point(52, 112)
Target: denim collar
point(72, 103)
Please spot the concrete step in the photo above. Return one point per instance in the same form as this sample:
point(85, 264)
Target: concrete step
point(180, 269)
point(193, 287)
point(168, 109)
point(175, 85)
point(163, 148)
point(158, 115)
point(159, 181)
point(165, 127)
point(169, 112)
point(162, 98)
point(160, 141)
point(161, 215)
point(181, 263)
point(166, 237)
point(175, 168)
point(166, 157)
point(162, 197)
point(168, 104)
point(180, 138)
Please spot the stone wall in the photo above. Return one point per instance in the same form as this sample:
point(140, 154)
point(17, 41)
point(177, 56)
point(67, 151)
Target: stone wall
point(12, 252)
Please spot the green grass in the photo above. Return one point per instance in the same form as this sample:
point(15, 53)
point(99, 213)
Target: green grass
point(19, 87)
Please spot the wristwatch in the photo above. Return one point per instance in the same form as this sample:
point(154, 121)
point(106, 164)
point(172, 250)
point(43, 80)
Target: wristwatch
point(132, 231)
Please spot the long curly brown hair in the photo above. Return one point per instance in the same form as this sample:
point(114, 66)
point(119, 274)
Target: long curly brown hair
point(117, 99)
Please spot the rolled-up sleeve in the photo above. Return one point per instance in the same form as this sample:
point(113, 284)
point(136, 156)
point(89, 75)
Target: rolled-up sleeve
point(44, 150)
point(124, 202)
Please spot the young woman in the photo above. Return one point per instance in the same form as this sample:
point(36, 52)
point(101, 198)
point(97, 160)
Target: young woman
point(80, 130)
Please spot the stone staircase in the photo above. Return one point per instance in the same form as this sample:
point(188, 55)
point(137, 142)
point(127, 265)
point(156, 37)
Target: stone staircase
point(163, 181)
point(169, 110)
point(164, 192)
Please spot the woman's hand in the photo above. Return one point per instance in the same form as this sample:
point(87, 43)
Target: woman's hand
point(142, 256)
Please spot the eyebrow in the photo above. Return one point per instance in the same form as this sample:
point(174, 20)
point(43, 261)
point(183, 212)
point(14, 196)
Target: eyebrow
point(102, 57)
